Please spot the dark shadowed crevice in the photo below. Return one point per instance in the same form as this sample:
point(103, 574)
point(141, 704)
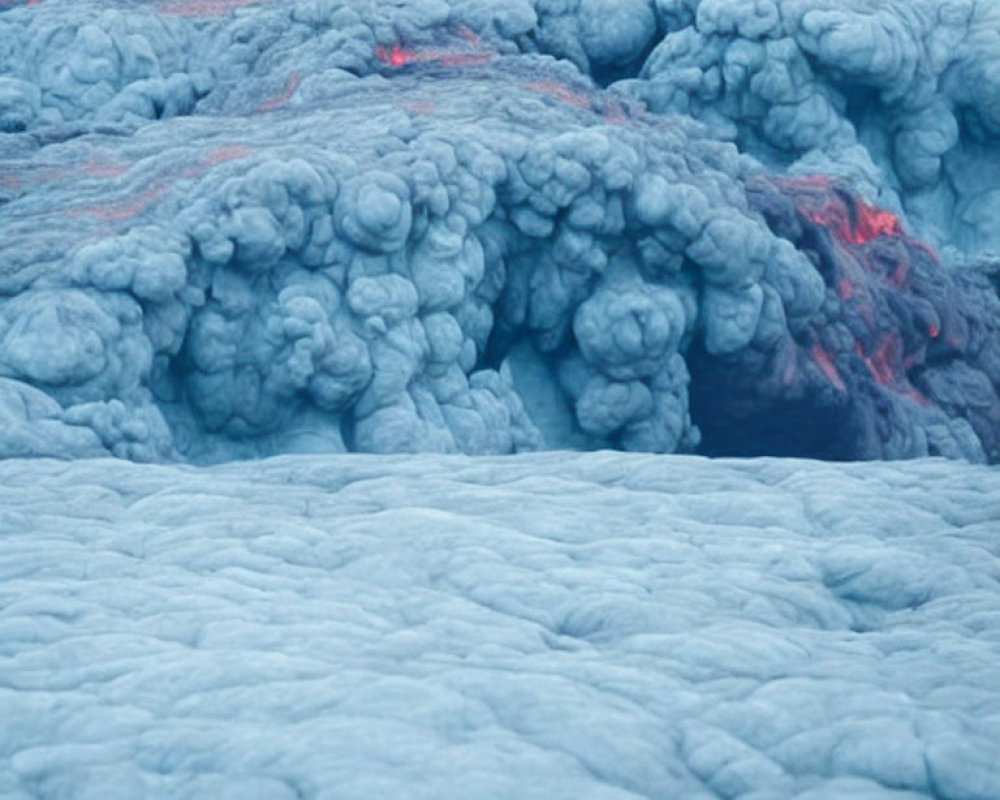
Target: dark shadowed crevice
point(736, 421)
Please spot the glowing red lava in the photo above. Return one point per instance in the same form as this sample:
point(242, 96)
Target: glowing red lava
point(203, 8)
point(399, 56)
point(560, 92)
point(226, 152)
point(888, 368)
point(874, 222)
point(278, 101)
point(825, 362)
point(889, 315)
point(898, 276)
point(395, 56)
point(853, 221)
point(858, 228)
point(879, 362)
point(468, 34)
point(132, 207)
point(854, 224)
point(94, 167)
point(139, 203)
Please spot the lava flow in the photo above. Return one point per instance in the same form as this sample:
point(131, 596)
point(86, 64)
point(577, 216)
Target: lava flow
point(876, 361)
point(468, 54)
point(866, 260)
point(279, 100)
point(831, 204)
point(203, 8)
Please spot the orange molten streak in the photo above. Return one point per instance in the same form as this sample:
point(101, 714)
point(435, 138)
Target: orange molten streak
point(203, 8)
point(825, 363)
point(142, 202)
point(398, 56)
point(874, 222)
point(277, 102)
point(560, 92)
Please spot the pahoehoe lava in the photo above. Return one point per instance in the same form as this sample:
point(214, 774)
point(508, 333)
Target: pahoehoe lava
point(233, 228)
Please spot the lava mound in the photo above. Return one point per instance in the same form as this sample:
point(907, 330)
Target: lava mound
point(240, 228)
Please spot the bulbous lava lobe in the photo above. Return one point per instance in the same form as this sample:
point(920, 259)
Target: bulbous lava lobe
point(421, 229)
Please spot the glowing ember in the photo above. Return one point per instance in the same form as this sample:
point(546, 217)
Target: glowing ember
point(398, 56)
point(395, 56)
